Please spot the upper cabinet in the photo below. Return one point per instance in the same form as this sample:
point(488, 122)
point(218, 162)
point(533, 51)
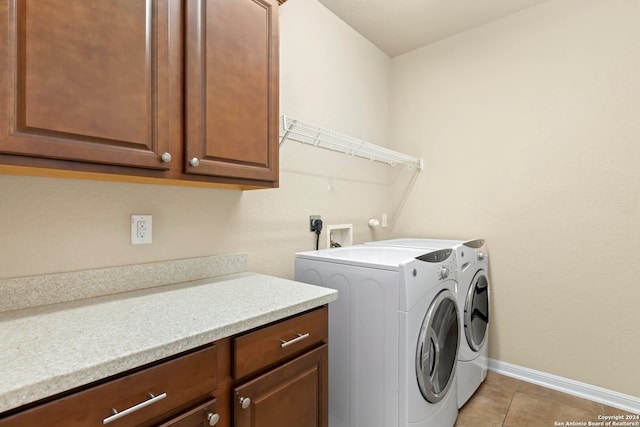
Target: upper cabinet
point(232, 88)
point(87, 81)
point(102, 87)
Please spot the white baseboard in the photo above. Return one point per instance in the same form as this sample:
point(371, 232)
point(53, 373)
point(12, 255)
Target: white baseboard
point(586, 391)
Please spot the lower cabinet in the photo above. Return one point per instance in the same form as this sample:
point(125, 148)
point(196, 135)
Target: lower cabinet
point(280, 373)
point(292, 395)
point(275, 375)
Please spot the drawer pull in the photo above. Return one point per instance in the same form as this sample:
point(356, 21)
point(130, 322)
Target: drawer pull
point(245, 402)
point(117, 415)
point(300, 337)
point(213, 418)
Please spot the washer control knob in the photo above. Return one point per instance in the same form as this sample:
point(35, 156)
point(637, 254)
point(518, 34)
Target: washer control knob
point(480, 255)
point(444, 272)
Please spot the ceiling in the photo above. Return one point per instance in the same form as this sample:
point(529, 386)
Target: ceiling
point(399, 26)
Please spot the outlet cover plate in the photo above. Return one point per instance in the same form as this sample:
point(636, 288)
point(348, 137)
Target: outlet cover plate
point(141, 229)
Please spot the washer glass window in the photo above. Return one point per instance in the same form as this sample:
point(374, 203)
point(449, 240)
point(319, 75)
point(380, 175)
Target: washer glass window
point(437, 349)
point(476, 311)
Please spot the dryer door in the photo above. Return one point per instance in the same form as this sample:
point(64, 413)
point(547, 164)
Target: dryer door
point(437, 349)
point(476, 311)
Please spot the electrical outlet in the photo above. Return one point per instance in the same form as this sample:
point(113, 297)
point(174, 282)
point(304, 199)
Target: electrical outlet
point(312, 219)
point(141, 229)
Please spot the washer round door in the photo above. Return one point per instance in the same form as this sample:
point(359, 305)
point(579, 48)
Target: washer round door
point(437, 349)
point(476, 311)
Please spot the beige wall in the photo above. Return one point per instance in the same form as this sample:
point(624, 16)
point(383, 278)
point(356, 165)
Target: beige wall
point(330, 76)
point(530, 128)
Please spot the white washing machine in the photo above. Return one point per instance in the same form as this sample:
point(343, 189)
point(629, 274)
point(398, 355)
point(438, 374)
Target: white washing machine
point(473, 305)
point(393, 334)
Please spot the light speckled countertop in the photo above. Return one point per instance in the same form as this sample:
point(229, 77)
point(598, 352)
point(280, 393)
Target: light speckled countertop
point(50, 349)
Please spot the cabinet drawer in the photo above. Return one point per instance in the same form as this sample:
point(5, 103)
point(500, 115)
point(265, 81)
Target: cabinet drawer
point(175, 385)
point(269, 345)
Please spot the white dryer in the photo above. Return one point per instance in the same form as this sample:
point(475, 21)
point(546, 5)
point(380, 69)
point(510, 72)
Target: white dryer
point(393, 334)
point(473, 305)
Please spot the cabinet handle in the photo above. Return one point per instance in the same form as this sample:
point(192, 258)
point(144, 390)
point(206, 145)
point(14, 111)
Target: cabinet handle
point(117, 415)
point(244, 402)
point(300, 337)
point(194, 162)
point(213, 418)
point(166, 157)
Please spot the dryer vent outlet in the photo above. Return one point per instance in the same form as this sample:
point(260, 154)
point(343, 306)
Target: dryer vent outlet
point(339, 235)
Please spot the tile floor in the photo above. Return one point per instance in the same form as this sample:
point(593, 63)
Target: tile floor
point(506, 402)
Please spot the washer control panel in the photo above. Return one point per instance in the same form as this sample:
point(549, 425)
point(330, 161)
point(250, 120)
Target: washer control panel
point(447, 260)
point(436, 256)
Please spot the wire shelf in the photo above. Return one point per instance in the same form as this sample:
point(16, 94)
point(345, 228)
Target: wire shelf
point(306, 133)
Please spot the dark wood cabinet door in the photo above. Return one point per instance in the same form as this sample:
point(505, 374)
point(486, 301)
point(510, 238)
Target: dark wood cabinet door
point(201, 416)
point(88, 80)
point(231, 94)
point(292, 395)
